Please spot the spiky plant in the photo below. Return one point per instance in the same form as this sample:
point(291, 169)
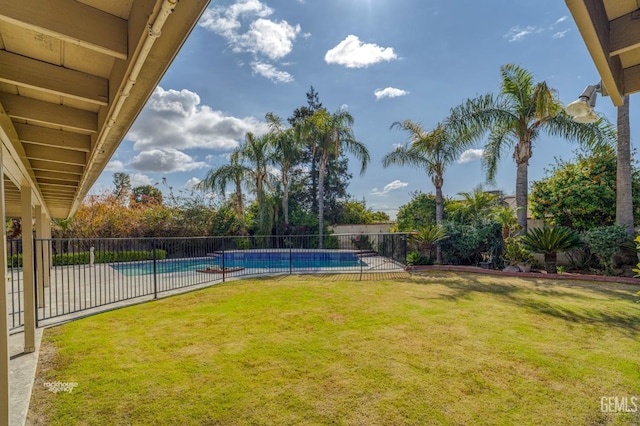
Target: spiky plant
point(550, 241)
point(427, 236)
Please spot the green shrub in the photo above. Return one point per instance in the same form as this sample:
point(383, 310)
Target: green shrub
point(14, 261)
point(82, 258)
point(515, 253)
point(417, 258)
point(467, 242)
point(604, 242)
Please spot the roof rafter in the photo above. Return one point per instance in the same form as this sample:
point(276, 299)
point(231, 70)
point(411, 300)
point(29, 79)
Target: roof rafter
point(95, 30)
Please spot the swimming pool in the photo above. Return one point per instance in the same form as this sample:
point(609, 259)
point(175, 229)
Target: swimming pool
point(248, 260)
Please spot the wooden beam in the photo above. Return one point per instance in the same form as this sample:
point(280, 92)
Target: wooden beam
point(50, 137)
point(41, 112)
point(625, 33)
point(48, 183)
point(58, 176)
point(591, 18)
point(56, 155)
point(55, 167)
point(632, 79)
point(27, 72)
point(70, 21)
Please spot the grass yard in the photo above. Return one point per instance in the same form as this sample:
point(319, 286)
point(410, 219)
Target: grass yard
point(442, 348)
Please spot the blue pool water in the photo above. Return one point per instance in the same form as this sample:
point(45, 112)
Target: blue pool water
point(247, 260)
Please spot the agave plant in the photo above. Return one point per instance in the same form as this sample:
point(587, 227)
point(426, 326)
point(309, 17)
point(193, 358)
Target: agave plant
point(550, 241)
point(425, 238)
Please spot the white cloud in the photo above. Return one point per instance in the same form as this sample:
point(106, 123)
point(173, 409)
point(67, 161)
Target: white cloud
point(561, 19)
point(271, 39)
point(191, 183)
point(176, 119)
point(517, 33)
point(271, 72)
point(396, 184)
point(389, 92)
point(139, 179)
point(470, 155)
point(352, 53)
point(114, 166)
point(560, 34)
point(165, 160)
point(264, 39)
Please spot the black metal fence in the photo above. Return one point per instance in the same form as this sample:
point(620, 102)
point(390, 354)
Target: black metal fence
point(78, 275)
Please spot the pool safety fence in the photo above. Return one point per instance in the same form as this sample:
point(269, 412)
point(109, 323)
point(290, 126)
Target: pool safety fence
point(76, 276)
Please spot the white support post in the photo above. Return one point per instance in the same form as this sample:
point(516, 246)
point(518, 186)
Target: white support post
point(27, 271)
point(4, 314)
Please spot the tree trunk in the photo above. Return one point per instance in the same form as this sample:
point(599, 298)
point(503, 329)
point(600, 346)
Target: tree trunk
point(285, 198)
point(522, 194)
point(624, 199)
point(437, 181)
point(322, 168)
point(551, 263)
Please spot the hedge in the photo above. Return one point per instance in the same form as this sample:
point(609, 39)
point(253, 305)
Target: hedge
point(82, 257)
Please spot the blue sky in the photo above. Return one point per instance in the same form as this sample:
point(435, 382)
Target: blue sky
point(384, 60)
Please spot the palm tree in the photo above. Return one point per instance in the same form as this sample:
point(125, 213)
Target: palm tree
point(255, 152)
point(550, 241)
point(624, 198)
point(430, 151)
point(286, 153)
point(217, 180)
point(330, 134)
point(515, 118)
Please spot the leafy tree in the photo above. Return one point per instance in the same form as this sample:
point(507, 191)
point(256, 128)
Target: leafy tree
point(146, 195)
point(469, 242)
point(337, 176)
point(122, 184)
point(331, 134)
point(419, 211)
point(581, 194)
point(521, 112)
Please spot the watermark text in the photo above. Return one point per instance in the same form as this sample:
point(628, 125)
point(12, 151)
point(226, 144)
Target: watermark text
point(619, 404)
point(56, 387)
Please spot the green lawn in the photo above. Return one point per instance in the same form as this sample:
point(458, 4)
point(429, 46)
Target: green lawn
point(441, 348)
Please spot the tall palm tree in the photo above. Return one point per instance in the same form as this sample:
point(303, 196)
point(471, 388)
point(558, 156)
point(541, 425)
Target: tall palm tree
point(624, 198)
point(515, 118)
point(432, 152)
point(331, 134)
point(217, 180)
point(286, 152)
point(255, 152)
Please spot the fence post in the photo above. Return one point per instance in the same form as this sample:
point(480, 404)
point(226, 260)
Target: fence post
point(290, 262)
point(155, 275)
point(224, 274)
point(361, 262)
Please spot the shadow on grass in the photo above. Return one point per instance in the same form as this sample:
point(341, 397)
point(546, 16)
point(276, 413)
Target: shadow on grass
point(578, 302)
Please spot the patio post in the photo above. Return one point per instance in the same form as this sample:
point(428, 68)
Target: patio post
point(27, 271)
point(4, 314)
point(46, 251)
point(39, 255)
